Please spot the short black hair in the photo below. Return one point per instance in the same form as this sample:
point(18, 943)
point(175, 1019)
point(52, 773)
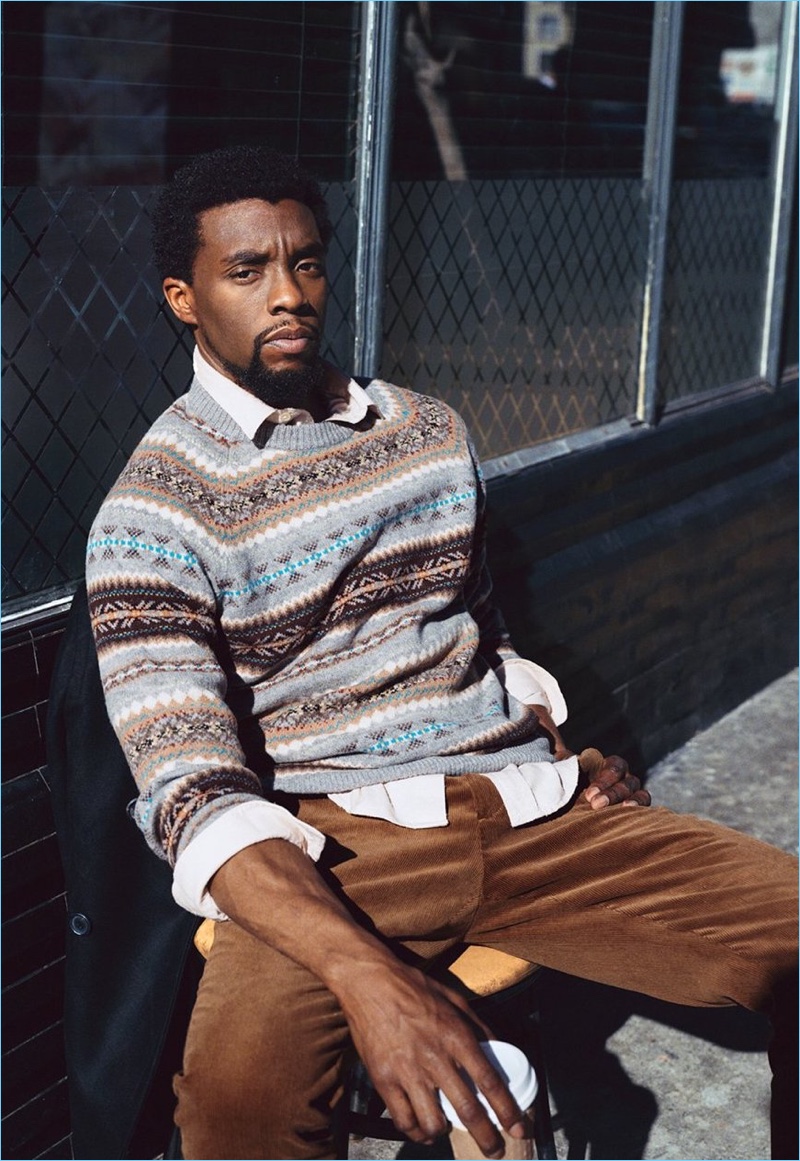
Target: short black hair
point(217, 179)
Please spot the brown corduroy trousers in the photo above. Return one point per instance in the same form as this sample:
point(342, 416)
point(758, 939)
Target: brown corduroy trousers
point(643, 899)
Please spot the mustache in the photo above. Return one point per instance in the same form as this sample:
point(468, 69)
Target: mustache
point(299, 327)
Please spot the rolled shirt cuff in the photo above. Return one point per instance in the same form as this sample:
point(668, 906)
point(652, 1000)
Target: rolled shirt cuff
point(533, 685)
point(234, 829)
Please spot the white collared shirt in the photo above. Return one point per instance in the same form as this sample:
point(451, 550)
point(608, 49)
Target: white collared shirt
point(529, 791)
point(251, 413)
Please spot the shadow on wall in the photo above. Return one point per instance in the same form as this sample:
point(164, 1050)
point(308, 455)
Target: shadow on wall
point(596, 715)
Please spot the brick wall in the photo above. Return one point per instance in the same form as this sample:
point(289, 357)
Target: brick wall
point(35, 1113)
point(655, 574)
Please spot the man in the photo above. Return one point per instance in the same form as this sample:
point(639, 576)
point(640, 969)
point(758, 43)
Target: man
point(336, 746)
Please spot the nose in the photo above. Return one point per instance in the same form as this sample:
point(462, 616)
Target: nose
point(286, 291)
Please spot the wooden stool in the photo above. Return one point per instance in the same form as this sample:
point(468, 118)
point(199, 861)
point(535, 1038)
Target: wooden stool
point(499, 986)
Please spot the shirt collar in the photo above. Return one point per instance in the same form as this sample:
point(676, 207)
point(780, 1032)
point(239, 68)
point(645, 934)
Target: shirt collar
point(250, 413)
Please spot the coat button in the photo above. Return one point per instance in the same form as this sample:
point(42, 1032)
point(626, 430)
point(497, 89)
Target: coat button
point(80, 924)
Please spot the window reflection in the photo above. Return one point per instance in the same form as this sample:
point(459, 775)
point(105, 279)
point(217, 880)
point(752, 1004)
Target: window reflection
point(554, 89)
point(727, 89)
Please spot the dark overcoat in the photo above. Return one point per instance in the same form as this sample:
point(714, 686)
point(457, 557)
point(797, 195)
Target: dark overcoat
point(131, 972)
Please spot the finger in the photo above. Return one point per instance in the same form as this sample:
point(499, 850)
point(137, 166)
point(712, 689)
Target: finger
point(599, 795)
point(412, 1103)
point(472, 1112)
point(623, 789)
point(474, 1117)
point(639, 798)
point(404, 1118)
point(422, 1117)
point(626, 790)
point(504, 1106)
point(431, 1121)
point(590, 760)
point(598, 800)
point(613, 770)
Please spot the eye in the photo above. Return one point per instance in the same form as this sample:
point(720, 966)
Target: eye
point(312, 266)
point(244, 274)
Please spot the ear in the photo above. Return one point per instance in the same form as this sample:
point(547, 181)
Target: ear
point(180, 297)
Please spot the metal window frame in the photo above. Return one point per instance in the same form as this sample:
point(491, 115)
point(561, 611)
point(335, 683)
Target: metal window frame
point(657, 178)
point(784, 171)
point(662, 105)
point(374, 141)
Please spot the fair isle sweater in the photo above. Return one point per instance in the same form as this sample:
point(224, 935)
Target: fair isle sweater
point(309, 617)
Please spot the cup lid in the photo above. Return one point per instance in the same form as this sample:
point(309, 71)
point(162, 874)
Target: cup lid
point(514, 1067)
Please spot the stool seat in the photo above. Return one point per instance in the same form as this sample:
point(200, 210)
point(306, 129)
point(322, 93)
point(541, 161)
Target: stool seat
point(484, 971)
point(204, 937)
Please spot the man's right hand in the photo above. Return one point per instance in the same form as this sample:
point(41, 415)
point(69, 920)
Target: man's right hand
point(413, 1034)
point(416, 1036)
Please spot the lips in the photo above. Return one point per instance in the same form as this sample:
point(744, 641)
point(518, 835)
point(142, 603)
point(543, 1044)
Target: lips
point(292, 342)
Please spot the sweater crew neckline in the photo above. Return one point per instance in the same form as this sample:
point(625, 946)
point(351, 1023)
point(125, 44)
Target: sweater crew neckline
point(290, 437)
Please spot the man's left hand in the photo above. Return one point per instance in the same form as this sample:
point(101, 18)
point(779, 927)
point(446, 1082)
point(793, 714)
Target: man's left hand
point(610, 781)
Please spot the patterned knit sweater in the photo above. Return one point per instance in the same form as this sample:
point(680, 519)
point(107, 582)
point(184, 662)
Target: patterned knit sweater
point(312, 616)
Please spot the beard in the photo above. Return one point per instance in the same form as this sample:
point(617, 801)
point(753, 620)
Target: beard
point(294, 387)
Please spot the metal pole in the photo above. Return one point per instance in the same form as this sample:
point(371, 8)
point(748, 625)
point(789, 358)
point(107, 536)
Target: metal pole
point(374, 135)
point(783, 177)
point(662, 103)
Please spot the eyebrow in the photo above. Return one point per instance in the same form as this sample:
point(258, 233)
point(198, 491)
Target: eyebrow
point(262, 257)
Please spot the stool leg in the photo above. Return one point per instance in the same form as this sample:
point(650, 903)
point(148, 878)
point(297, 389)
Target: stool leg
point(542, 1123)
point(173, 1150)
point(515, 1015)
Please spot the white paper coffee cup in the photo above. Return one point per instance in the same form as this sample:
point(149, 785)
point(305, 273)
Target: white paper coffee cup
point(514, 1067)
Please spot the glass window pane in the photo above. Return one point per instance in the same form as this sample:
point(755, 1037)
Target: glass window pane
point(721, 200)
point(517, 243)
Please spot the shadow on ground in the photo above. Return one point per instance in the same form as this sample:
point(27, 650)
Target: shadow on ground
point(601, 1111)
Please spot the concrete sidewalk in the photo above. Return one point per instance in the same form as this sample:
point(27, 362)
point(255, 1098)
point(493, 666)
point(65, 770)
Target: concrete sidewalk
point(634, 1078)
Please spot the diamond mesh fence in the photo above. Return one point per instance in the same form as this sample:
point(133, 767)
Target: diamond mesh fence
point(714, 286)
point(518, 302)
point(91, 359)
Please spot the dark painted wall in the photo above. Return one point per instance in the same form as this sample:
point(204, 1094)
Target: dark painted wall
point(655, 574)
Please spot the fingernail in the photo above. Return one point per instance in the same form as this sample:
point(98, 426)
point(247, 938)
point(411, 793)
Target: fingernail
point(517, 1130)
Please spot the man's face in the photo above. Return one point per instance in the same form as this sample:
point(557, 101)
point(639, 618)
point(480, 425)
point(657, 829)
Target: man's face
point(257, 297)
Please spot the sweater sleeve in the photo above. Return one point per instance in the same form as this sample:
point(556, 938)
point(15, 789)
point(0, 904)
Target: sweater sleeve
point(153, 616)
point(495, 642)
